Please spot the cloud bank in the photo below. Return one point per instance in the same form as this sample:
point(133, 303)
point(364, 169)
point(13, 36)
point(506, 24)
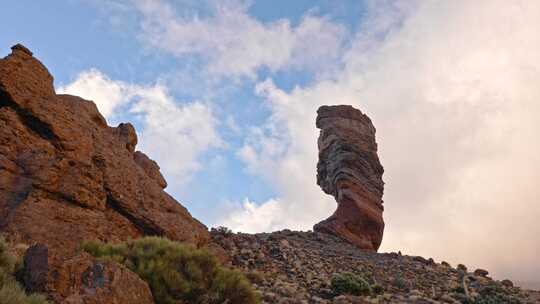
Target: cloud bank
point(235, 44)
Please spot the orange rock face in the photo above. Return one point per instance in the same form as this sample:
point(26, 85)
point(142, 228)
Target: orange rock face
point(83, 280)
point(66, 176)
point(349, 169)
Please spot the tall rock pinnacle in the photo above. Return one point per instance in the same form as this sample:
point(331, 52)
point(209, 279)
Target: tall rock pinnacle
point(349, 169)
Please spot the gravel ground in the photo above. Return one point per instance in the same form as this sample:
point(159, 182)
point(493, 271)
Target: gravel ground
point(298, 267)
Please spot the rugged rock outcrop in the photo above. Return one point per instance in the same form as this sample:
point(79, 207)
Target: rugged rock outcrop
point(349, 169)
point(66, 176)
point(83, 280)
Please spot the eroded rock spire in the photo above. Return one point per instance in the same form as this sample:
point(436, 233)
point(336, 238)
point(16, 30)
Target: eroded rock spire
point(349, 169)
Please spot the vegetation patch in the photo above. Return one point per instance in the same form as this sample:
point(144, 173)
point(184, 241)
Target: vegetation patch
point(350, 283)
point(178, 273)
point(495, 294)
point(222, 230)
point(377, 289)
point(10, 290)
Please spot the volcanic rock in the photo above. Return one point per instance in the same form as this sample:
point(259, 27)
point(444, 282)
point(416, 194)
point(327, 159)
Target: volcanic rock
point(83, 280)
point(66, 176)
point(349, 169)
point(298, 267)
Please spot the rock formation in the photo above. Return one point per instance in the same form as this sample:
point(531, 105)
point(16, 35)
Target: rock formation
point(349, 169)
point(66, 176)
point(83, 279)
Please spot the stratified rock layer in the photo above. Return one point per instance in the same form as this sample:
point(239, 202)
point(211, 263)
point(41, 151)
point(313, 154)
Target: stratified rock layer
point(349, 169)
point(65, 176)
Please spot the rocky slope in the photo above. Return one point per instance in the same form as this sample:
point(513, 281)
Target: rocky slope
point(66, 177)
point(291, 267)
point(349, 169)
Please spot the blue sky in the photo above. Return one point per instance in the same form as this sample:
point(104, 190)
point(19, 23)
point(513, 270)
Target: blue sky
point(73, 36)
point(224, 93)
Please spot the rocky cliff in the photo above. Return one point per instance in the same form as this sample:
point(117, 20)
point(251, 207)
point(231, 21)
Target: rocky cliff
point(349, 169)
point(66, 177)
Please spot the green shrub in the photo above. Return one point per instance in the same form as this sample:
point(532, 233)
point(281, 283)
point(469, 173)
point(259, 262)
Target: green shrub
point(10, 291)
point(222, 230)
point(7, 262)
point(494, 294)
point(177, 273)
point(401, 284)
point(496, 299)
point(377, 289)
point(349, 283)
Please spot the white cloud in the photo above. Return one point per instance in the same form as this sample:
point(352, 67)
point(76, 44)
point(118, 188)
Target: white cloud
point(452, 88)
point(234, 43)
point(174, 134)
point(96, 86)
point(254, 218)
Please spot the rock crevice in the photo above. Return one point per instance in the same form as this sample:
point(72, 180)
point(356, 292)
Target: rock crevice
point(32, 122)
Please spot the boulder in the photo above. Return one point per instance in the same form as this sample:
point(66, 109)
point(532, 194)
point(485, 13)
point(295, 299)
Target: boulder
point(82, 279)
point(481, 272)
point(349, 169)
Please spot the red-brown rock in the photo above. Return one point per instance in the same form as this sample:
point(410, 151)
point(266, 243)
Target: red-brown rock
point(349, 169)
point(65, 176)
point(83, 280)
point(150, 167)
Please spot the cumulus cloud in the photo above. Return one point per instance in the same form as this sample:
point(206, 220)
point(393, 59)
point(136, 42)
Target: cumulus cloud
point(255, 218)
point(452, 88)
point(174, 134)
point(235, 44)
point(94, 85)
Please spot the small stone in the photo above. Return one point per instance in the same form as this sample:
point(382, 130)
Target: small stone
point(462, 268)
point(284, 243)
point(416, 292)
point(507, 283)
point(481, 273)
point(21, 48)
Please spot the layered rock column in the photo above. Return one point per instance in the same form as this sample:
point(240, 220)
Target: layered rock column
point(349, 169)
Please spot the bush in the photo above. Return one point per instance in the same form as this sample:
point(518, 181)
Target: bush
point(349, 283)
point(377, 289)
point(401, 284)
point(10, 291)
point(7, 262)
point(496, 299)
point(222, 230)
point(494, 294)
point(178, 273)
